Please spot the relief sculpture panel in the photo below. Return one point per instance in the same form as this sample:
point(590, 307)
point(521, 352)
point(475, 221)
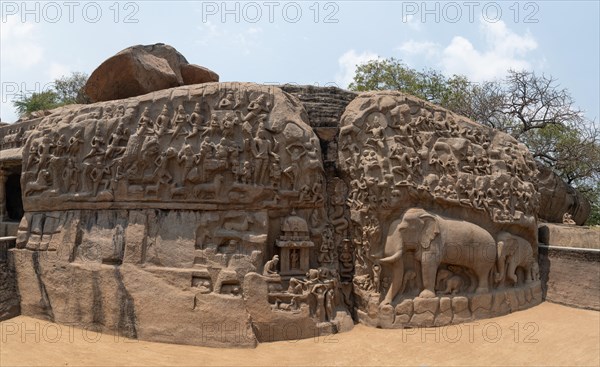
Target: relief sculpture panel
point(443, 211)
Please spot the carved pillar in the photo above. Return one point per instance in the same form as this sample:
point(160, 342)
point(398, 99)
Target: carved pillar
point(3, 178)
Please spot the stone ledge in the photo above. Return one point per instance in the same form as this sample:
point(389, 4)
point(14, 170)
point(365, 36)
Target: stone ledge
point(560, 235)
point(428, 312)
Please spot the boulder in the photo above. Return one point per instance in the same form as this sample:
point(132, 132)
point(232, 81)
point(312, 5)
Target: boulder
point(558, 198)
point(142, 69)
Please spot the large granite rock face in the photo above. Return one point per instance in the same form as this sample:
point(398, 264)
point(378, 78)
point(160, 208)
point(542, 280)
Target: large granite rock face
point(558, 198)
point(439, 205)
point(141, 69)
point(216, 215)
point(145, 215)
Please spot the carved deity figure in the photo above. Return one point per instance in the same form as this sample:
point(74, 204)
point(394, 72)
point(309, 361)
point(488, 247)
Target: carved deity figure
point(227, 102)
point(257, 107)
point(162, 121)
point(145, 123)
point(261, 150)
point(117, 141)
point(270, 268)
point(568, 219)
point(60, 146)
point(97, 172)
point(97, 144)
point(75, 143)
point(70, 176)
point(296, 151)
point(179, 121)
point(197, 122)
point(187, 158)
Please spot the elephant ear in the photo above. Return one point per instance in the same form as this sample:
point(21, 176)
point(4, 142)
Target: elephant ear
point(430, 230)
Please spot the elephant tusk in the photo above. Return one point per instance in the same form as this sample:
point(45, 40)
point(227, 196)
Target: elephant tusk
point(392, 259)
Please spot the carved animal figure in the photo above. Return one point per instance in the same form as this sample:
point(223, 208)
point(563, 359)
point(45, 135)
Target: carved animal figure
point(213, 187)
point(513, 252)
point(449, 282)
point(41, 184)
point(435, 239)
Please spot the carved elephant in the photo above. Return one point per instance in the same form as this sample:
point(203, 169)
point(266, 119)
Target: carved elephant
point(448, 282)
point(434, 240)
point(513, 252)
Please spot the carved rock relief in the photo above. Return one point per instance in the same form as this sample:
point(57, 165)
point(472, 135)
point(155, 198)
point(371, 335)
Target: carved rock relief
point(217, 146)
point(216, 196)
point(190, 191)
point(434, 198)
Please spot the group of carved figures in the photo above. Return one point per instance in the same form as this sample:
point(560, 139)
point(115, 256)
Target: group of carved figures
point(319, 290)
point(212, 146)
point(430, 156)
point(12, 138)
point(445, 255)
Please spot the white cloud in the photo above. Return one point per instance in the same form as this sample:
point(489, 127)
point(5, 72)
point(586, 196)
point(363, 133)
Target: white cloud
point(246, 40)
point(19, 47)
point(412, 22)
point(348, 63)
point(504, 49)
point(57, 70)
point(429, 49)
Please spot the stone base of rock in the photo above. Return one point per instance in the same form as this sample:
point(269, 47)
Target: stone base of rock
point(9, 296)
point(126, 272)
point(447, 310)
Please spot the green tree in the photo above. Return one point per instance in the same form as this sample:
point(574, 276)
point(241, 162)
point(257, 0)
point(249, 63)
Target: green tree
point(65, 90)
point(70, 89)
point(27, 104)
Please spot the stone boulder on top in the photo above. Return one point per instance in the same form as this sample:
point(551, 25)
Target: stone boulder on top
point(140, 69)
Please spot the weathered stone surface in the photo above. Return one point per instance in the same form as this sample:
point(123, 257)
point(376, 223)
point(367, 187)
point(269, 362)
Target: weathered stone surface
point(560, 235)
point(481, 301)
point(9, 295)
point(402, 319)
point(512, 299)
point(194, 74)
point(443, 318)
point(426, 305)
point(569, 277)
point(445, 304)
point(196, 191)
point(324, 105)
point(558, 198)
point(386, 316)
point(186, 193)
point(405, 307)
point(500, 305)
point(425, 181)
point(141, 69)
point(422, 319)
point(460, 304)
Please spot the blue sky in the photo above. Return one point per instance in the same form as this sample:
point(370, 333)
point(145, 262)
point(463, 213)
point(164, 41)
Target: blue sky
point(306, 42)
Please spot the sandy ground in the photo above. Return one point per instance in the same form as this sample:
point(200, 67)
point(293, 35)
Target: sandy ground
point(548, 334)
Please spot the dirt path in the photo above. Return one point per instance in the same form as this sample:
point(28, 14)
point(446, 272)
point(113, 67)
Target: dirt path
point(549, 334)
